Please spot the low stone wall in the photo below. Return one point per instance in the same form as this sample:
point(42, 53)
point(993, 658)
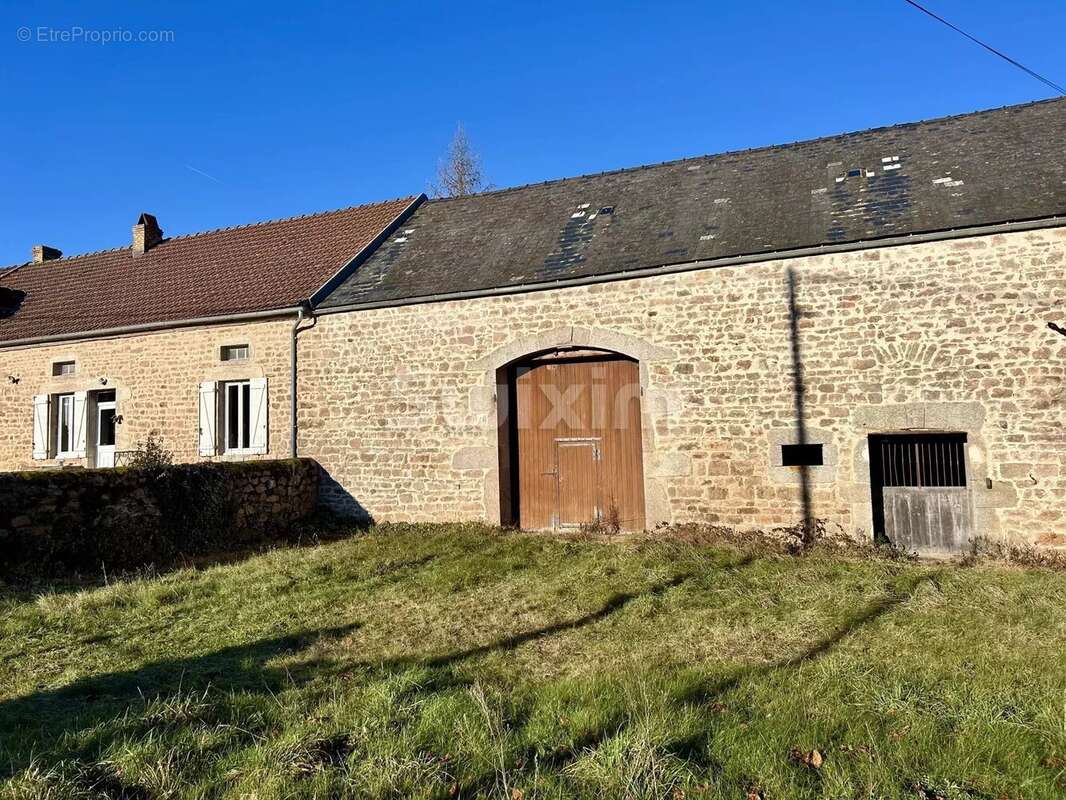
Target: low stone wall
point(84, 521)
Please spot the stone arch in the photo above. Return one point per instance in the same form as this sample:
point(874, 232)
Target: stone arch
point(624, 344)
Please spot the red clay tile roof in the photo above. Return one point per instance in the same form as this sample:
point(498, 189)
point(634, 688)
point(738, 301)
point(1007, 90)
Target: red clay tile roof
point(257, 267)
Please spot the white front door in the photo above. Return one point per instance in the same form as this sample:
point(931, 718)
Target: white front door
point(105, 434)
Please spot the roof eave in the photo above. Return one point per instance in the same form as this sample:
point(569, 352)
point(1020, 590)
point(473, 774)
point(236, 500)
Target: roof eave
point(148, 327)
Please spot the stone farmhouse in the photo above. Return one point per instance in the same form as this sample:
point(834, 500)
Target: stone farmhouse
point(188, 336)
point(852, 331)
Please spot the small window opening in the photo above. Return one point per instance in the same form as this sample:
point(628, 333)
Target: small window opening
point(63, 368)
point(801, 455)
point(235, 352)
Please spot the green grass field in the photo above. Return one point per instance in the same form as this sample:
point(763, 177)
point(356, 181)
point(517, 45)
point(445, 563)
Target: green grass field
point(453, 661)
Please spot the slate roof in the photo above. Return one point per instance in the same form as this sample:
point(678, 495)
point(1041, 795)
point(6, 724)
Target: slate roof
point(977, 169)
point(259, 267)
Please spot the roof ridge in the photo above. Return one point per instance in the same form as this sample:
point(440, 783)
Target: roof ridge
point(210, 231)
point(761, 149)
point(293, 218)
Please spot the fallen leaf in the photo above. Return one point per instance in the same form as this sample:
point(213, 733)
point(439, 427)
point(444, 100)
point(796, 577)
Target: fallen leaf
point(809, 758)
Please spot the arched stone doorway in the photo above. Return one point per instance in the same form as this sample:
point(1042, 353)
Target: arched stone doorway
point(492, 396)
point(570, 440)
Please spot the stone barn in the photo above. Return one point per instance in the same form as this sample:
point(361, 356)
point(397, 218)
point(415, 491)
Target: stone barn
point(852, 331)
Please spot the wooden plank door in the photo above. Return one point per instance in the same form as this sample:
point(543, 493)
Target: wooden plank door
point(928, 521)
point(570, 399)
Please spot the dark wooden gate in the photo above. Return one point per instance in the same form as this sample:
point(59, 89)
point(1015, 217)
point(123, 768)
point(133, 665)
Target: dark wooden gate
point(577, 456)
point(920, 500)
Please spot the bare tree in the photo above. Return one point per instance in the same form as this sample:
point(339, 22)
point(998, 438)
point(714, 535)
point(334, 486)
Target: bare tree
point(459, 172)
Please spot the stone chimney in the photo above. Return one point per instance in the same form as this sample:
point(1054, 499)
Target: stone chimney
point(146, 234)
point(42, 253)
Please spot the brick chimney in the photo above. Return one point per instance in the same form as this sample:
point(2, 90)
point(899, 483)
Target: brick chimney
point(146, 234)
point(42, 253)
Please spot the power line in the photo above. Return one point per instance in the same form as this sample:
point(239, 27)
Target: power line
point(989, 48)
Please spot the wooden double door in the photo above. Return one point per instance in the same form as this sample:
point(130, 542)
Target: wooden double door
point(577, 441)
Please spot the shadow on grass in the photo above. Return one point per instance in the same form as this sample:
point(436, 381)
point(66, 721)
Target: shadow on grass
point(711, 692)
point(40, 721)
point(615, 603)
point(44, 718)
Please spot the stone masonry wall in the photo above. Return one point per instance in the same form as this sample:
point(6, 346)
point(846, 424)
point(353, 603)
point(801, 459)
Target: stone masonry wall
point(398, 404)
point(62, 521)
point(156, 377)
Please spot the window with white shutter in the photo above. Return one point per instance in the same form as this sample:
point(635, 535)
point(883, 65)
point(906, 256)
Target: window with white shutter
point(60, 425)
point(240, 409)
point(244, 416)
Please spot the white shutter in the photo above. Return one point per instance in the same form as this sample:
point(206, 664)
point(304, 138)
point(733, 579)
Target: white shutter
point(208, 414)
point(257, 407)
point(40, 426)
point(80, 408)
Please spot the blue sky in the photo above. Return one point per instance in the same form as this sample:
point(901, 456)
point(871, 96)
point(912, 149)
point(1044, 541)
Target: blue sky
point(263, 110)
